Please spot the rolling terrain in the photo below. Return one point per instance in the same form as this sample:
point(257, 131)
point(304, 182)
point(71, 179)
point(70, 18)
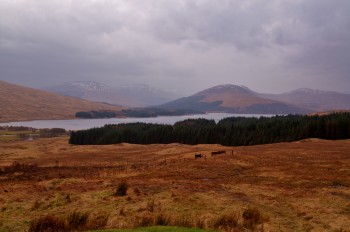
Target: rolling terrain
point(222, 98)
point(315, 100)
point(233, 99)
point(20, 103)
point(131, 96)
point(298, 186)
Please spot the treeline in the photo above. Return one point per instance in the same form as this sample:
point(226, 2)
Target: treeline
point(234, 131)
point(148, 112)
point(95, 114)
point(155, 112)
point(56, 131)
point(13, 133)
point(17, 128)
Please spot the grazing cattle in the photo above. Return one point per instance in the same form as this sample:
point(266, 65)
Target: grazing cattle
point(198, 156)
point(218, 152)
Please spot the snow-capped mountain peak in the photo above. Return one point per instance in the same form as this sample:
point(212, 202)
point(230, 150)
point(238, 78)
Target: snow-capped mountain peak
point(88, 86)
point(132, 95)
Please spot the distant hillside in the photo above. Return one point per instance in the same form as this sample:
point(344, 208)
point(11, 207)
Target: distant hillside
point(131, 96)
point(233, 99)
point(316, 100)
point(148, 95)
point(22, 103)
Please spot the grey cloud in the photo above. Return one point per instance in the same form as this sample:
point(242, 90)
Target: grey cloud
point(232, 22)
point(323, 50)
point(186, 44)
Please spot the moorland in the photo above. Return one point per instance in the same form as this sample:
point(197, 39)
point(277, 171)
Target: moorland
point(295, 186)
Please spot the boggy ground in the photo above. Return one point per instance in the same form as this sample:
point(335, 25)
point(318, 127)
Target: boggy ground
point(299, 186)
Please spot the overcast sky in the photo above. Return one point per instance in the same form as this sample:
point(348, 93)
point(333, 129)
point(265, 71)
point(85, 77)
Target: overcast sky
point(188, 45)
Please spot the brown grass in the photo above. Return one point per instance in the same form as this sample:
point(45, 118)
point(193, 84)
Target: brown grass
point(233, 100)
point(296, 186)
point(252, 217)
point(121, 189)
point(48, 223)
point(19, 103)
point(226, 221)
point(75, 221)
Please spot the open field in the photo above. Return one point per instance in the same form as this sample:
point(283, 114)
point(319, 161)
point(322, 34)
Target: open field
point(299, 186)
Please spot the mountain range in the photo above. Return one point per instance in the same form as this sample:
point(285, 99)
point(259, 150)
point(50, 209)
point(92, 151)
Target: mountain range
point(233, 99)
point(23, 103)
point(221, 98)
point(314, 100)
point(140, 95)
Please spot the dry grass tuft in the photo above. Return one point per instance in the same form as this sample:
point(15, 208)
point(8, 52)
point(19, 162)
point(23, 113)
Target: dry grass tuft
point(77, 220)
point(137, 192)
point(183, 220)
point(151, 205)
point(144, 220)
point(97, 221)
point(200, 222)
point(48, 223)
point(122, 189)
point(226, 222)
point(122, 212)
point(341, 230)
point(162, 219)
point(252, 217)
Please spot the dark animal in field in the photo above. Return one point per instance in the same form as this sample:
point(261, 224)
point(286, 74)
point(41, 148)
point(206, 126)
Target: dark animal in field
point(198, 156)
point(218, 152)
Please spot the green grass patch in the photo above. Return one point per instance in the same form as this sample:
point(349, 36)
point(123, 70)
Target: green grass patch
point(6, 132)
point(7, 138)
point(155, 229)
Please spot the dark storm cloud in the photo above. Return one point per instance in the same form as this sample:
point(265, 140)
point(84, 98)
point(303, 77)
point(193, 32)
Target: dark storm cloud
point(272, 45)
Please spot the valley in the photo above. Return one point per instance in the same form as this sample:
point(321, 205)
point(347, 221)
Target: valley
point(95, 100)
point(291, 186)
point(174, 116)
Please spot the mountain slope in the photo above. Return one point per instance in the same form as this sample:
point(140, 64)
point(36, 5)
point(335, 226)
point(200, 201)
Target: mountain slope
point(233, 99)
point(93, 91)
point(22, 103)
point(316, 100)
point(134, 95)
point(148, 95)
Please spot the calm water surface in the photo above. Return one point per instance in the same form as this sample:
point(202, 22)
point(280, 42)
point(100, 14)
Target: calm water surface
point(79, 124)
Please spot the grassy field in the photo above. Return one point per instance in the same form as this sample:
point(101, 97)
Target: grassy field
point(299, 186)
point(7, 136)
